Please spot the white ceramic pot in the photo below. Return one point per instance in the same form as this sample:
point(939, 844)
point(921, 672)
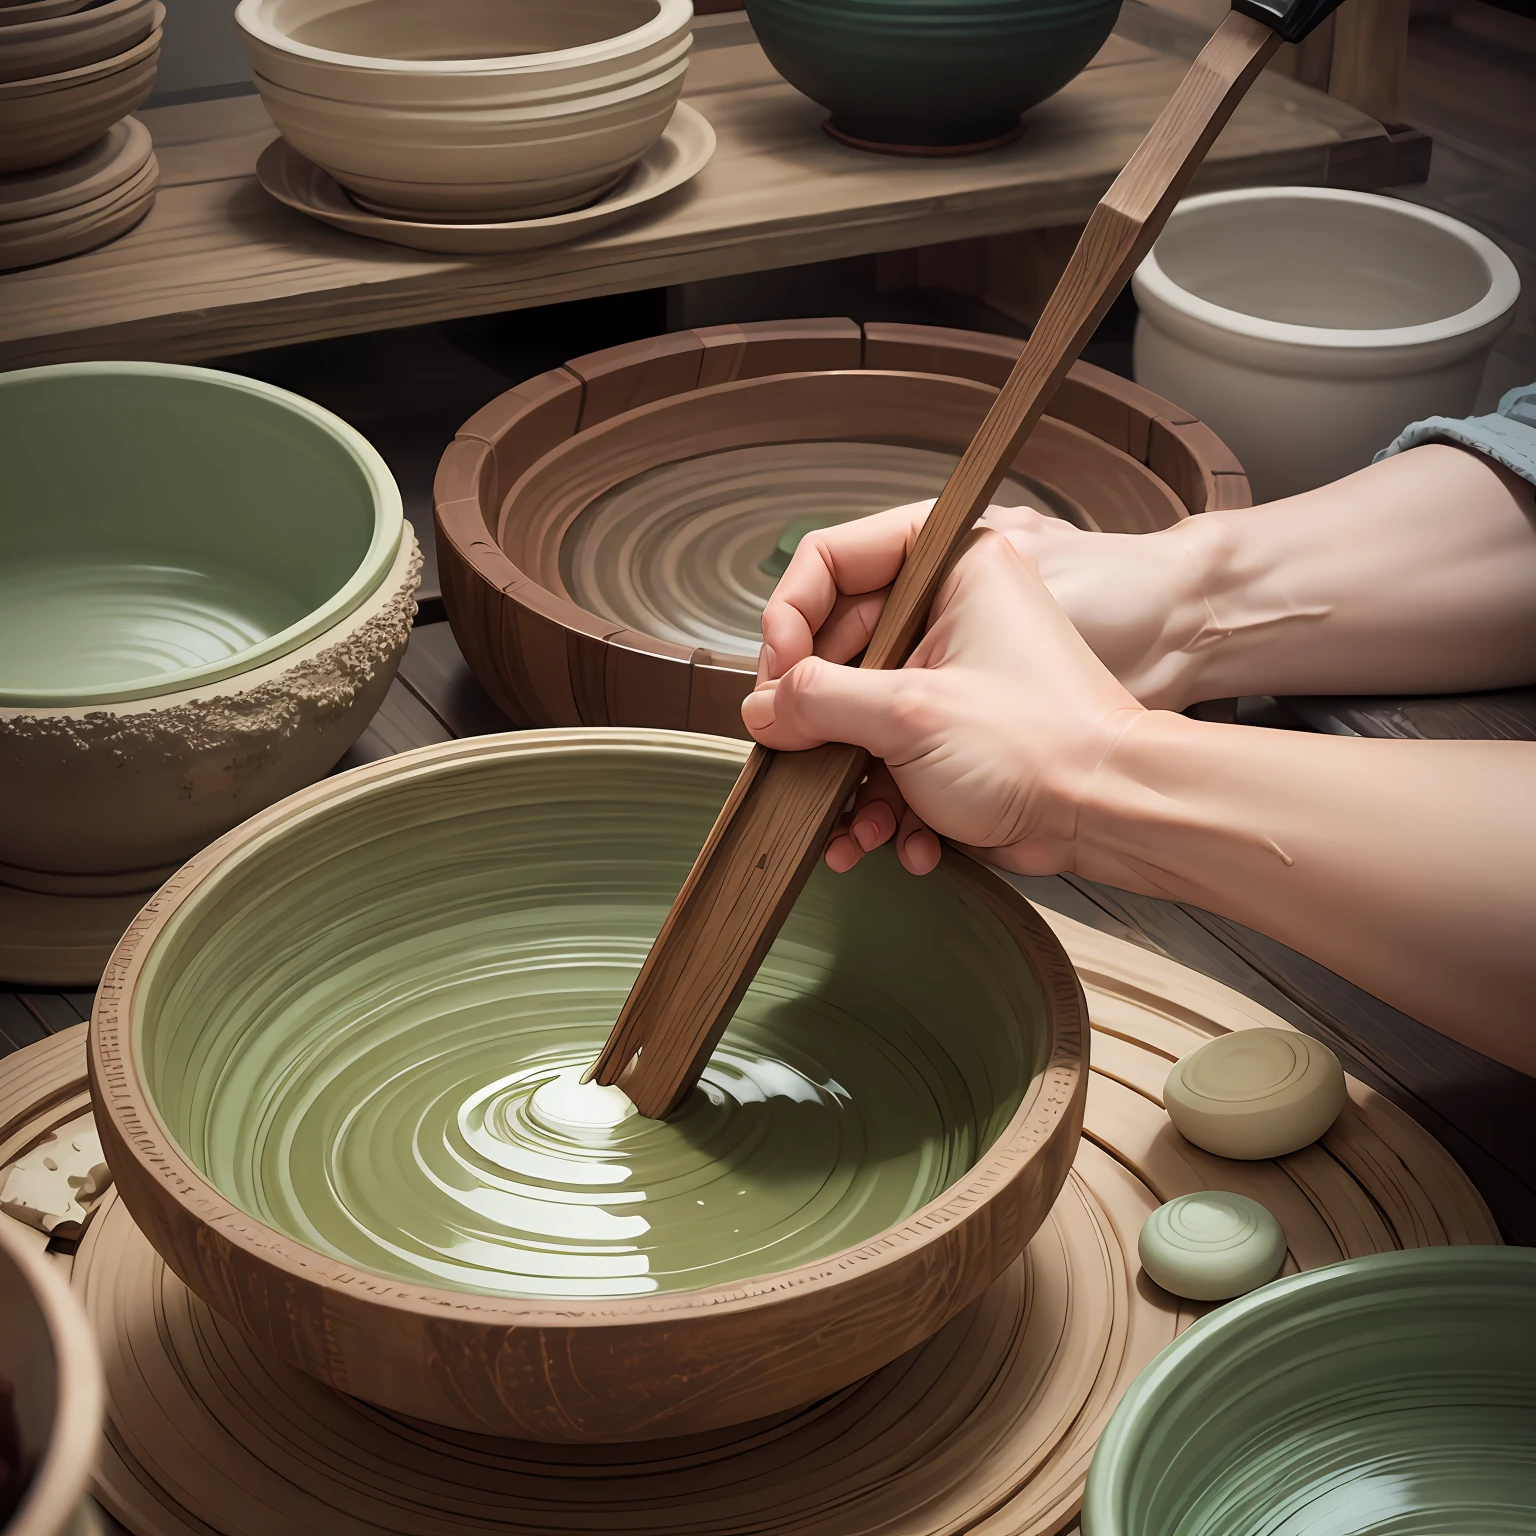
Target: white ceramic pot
point(1308, 326)
point(48, 1361)
point(470, 109)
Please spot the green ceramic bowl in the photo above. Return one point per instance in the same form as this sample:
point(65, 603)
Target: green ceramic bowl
point(930, 72)
point(164, 527)
point(354, 1026)
point(1393, 1395)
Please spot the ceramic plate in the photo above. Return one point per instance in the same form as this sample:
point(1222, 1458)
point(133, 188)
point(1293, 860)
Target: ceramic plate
point(678, 156)
point(115, 158)
point(72, 231)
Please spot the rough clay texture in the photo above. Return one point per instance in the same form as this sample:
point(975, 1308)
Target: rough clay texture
point(133, 788)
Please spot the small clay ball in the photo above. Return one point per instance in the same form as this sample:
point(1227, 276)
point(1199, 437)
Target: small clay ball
point(1211, 1246)
point(1255, 1093)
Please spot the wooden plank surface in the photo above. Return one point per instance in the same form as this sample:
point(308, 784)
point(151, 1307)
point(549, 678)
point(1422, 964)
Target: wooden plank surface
point(219, 267)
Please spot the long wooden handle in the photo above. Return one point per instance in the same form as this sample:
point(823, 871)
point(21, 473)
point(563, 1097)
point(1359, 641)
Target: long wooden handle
point(774, 825)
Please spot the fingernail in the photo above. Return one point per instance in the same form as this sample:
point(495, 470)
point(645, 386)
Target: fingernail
point(757, 709)
point(866, 833)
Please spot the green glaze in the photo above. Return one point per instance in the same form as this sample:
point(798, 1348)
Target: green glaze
point(1211, 1245)
point(776, 561)
point(930, 72)
point(346, 1026)
point(1386, 1396)
point(163, 527)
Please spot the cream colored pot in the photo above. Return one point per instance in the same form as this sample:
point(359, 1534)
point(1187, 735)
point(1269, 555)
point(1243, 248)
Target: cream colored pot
point(470, 110)
point(1308, 325)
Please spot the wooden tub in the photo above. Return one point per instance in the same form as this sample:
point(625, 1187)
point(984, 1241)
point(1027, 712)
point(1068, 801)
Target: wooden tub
point(545, 493)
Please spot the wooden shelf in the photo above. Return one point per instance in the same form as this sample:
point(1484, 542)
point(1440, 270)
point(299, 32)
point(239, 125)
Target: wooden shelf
point(218, 267)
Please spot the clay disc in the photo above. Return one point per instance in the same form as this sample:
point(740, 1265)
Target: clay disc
point(988, 1428)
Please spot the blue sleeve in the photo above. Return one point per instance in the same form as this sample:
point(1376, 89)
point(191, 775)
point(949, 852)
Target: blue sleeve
point(1509, 435)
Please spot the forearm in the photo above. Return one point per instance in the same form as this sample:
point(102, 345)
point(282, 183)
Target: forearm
point(1416, 575)
point(1408, 867)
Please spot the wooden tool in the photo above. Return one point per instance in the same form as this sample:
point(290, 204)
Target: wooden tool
point(775, 822)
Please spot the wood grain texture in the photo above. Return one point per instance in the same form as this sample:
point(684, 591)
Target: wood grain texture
point(218, 267)
point(773, 827)
point(500, 555)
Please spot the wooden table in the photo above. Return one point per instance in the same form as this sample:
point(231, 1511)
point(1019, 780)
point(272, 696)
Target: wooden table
point(1480, 1111)
point(218, 267)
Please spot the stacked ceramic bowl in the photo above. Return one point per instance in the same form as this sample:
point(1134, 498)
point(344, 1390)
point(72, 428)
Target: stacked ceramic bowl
point(470, 110)
point(75, 170)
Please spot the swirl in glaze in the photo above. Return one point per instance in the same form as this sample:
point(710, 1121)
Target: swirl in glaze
point(682, 551)
point(366, 1031)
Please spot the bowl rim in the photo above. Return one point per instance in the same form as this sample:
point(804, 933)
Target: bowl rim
point(672, 16)
point(60, 1481)
point(86, 19)
point(1151, 283)
point(125, 1106)
point(370, 571)
point(1119, 1449)
point(86, 74)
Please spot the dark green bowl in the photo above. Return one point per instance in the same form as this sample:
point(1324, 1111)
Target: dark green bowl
point(930, 73)
point(1386, 1396)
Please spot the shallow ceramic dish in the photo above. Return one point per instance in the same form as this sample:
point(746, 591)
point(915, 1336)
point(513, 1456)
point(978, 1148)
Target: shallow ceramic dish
point(53, 1406)
point(929, 74)
point(471, 111)
point(1290, 316)
point(196, 617)
point(1395, 1393)
point(52, 45)
point(69, 231)
point(682, 151)
point(47, 120)
point(114, 159)
point(378, 979)
point(607, 531)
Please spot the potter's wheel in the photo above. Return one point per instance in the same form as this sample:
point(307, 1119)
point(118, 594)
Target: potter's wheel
point(988, 1427)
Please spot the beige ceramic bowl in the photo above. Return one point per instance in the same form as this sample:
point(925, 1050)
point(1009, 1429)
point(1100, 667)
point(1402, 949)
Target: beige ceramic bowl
point(49, 1362)
point(55, 116)
point(38, 10)
point(470, 109)
point(52, 44)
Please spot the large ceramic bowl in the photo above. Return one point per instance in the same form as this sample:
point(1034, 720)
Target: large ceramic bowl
point(930, 73)
point(1310, 325)
point(608, 532)
point(53, 44)
point(205, 587)
point(47, 119)
point(50, 1395)
point(321, 1061)
point(470, 109)
point(1395, 1393)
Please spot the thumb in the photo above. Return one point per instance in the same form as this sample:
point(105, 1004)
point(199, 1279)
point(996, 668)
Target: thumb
point(818, 701)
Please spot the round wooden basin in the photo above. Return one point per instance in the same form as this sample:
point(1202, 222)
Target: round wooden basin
point(322, 1060)
point(608, 532)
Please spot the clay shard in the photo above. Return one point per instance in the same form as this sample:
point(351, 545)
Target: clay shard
point(55, 1185)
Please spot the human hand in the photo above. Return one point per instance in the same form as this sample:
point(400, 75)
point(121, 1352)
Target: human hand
point(1135, 598)
point(990, 733)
